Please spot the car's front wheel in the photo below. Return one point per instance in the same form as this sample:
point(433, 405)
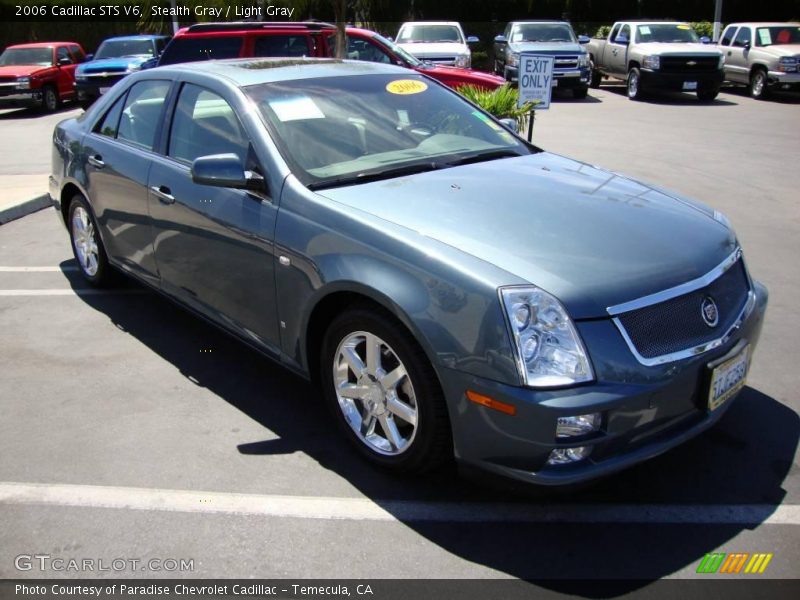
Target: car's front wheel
point(86, 243)
point(634, 84)
point(758, 84)
point(384, 392)
point(50, 100)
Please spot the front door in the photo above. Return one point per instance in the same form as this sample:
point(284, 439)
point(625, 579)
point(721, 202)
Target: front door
point(618, 57)
point(214, 245)
point(736, 56)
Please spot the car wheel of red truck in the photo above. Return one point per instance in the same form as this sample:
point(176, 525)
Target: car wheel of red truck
point(50, 99)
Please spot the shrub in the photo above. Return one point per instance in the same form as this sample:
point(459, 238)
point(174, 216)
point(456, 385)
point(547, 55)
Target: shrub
point(602, 31)
point(703, 28)
point(501, 102)
point(480, 61)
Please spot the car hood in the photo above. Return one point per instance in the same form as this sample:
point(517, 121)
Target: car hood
point(547, 47)
point(463, 76)
point(591, 237)
point(425, 49)
point(678, 49)
point(120, 63)
point(782, 49)
point(20, 70)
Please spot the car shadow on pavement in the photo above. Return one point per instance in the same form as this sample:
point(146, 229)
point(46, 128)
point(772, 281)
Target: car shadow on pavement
point(21, 113)
point(742, 461)
point(670, 98)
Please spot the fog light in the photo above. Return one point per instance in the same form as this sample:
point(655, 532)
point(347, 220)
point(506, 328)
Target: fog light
point(577, 425)
point(564, 456)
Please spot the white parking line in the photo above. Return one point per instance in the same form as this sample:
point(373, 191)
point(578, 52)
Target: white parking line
point(360, 509)
point(69, 292)
point(38, 269)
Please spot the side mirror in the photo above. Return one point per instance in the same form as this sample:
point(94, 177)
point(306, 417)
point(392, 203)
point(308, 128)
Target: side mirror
point(746, 46)
point(88, 57)
point(622, 39)
point(500, 39)
point(584, 39)
point(225, 170)
point(473, 39)
point(510, 124)
point(63, 62)
point(390, 38)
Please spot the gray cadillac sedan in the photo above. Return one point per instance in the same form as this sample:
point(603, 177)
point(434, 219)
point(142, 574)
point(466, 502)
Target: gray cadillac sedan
point(453, 290)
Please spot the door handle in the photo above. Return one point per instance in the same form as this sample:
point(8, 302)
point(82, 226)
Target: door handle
point(96, 161)
point(163, 194)
point(614, 51)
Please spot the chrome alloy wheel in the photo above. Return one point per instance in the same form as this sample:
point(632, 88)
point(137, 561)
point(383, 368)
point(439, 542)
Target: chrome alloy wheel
point(375, 393)
point(84, 241)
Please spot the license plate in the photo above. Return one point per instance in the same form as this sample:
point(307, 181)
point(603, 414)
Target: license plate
point(690, 85)
point(103, 90)
point(554, 82)
point(728, 378)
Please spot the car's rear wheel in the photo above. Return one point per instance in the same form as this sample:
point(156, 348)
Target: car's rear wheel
point(758, 84)
point(50, 99)
point(384, 392)
point(634, 84)
point(86, 243)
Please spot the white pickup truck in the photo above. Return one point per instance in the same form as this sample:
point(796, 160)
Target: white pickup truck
point(651, 55)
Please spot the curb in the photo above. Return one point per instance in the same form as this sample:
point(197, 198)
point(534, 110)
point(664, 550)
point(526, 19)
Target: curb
point(25, 209)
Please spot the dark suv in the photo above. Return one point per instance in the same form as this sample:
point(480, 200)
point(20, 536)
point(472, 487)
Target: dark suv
point(208, 41)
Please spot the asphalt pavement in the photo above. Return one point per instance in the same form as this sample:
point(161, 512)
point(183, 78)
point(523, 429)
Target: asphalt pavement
point(131, 429)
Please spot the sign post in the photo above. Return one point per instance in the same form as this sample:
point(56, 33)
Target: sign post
point(535, 83)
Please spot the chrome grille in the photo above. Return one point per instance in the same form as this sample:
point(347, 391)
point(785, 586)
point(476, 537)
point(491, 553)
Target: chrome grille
point(565, 63)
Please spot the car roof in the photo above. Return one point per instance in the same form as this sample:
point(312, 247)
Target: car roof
point(538, 21)
point(244, 72)
point(43, 45)
point(453, 23)
point(243, 27)
point(135, 37)
point(765, 24)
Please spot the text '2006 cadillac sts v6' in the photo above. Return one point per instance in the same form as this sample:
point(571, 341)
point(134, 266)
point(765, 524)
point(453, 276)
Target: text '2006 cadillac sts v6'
point(454, 290)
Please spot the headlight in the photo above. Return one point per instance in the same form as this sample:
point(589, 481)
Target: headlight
point(133, 68)
point(583, 60)
point(81, 78)
point(463, 61)
point(721, 61)
point(652, 62)
point(548, 348)
point(23, 83)
point(512, 58)
point(787, 64)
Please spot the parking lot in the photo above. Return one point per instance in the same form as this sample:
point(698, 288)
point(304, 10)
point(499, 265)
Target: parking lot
point(132, 429)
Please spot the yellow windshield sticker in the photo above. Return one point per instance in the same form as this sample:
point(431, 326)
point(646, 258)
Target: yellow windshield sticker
point(404, 87)
point(683, 27)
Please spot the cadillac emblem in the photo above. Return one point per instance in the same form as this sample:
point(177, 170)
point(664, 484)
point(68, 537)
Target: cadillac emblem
point(709, 312)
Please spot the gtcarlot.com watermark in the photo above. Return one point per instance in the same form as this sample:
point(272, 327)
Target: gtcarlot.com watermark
point(59, 564)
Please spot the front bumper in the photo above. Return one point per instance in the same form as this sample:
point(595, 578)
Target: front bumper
point(779, 80)
point(21, 97)
point(675, 81)
point(565, 80)
point(95, 87)
point(645, 410)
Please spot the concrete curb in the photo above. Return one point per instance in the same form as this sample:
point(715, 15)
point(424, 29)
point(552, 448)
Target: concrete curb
point(25, 209)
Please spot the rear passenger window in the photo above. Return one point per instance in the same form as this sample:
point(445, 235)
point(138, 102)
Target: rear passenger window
point(204, 124)
point(110, 122)
point(281, 45)
point(727, 36)
point(192, 49)
point(141, 116)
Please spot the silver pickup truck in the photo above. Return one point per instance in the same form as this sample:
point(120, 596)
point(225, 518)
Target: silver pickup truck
point(764, 56)
point(650, 55)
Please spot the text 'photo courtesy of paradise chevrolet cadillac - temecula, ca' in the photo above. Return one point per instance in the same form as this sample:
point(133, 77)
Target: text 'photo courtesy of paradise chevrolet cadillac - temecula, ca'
point(453, 290)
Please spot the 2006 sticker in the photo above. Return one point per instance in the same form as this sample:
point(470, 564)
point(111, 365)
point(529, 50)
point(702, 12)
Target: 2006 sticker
point(406, 86)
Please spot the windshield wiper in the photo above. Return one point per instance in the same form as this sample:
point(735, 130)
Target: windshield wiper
point(375, 175)
point(483, 157)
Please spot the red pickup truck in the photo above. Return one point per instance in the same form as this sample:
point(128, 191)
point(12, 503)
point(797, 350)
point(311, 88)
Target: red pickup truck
point(40, 75)
point(233, 40)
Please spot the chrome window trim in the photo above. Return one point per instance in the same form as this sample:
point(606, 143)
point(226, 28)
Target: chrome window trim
point(697, 350)
point(678, 290)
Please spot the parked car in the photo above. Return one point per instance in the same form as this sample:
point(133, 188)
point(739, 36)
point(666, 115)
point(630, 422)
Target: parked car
point(115, 58)
point(556, 38)
point(657, 55)
point(440, 278)
point(763, 56)
point(39, 75)
point(314, 39)
point(438, 42)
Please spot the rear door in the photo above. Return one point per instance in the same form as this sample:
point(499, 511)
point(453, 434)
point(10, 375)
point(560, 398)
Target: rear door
point(281, 44)
point(119, 152)
point(213, 245)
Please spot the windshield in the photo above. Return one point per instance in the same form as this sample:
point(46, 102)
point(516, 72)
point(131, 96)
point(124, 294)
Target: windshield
point(542, 32)
point(408, 58)
point(346, 130)
point(119, 48)
point(412, 34)
point(665, 33)
point(27, 56)
point(780, 34)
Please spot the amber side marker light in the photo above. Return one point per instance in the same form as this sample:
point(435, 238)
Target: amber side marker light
point(477, 398)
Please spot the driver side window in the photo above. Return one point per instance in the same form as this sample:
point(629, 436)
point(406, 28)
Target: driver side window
point(62, 53)
point(742, 38)
point(361, 49)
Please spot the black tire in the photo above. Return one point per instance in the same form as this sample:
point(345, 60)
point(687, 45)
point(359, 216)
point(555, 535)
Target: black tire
point(431, 445)
point(579, 93)
point(102, 275)
point(634, 84)
point(50, 100)
point(758, 84)
point(595, 77)
point(707, 95)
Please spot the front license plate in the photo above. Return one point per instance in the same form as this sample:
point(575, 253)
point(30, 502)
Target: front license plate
point(103, 90)
point(690, 85)
point(728, 378)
